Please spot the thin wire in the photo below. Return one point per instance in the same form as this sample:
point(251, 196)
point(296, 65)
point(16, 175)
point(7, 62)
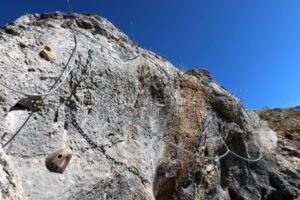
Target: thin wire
point(129, 59)
point(177, 146)
point(218, 183)
point(43, 94)
point(51, 91)
point(17, 132)
point(99, 44)
point(24, 123)
point(222, 156)
point(87, 73)
point(216, 158)
point(70, 7)
point(241, 157)
point(247, 159)
point(112, 51)
point(209, 157)
point(213, 157)
point(67, 74)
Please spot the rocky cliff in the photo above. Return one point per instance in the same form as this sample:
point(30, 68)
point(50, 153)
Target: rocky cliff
point(286, 123)
point(138, 127)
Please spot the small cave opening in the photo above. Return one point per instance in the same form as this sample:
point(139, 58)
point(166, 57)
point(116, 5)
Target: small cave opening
point(234, 194)
point(167, 190)
point(164, 186)
point(18, 106)
point(28, 104)
point(157, 93)
point(280, 192)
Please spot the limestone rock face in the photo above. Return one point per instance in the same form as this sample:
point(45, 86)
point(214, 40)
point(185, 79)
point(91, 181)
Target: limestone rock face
point(138, 127)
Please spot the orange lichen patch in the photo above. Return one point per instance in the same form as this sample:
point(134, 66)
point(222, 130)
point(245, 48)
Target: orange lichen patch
point(188, 81)
point(183, 130)
point(186, 125)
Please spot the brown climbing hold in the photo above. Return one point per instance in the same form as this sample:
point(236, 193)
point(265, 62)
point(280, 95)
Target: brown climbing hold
point(46, 53)
point(58, 160)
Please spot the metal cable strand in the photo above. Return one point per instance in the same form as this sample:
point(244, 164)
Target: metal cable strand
point(70, 7)
point(16, 133)
point(212, 157)
point(51, 89)
point(177, 147)
point(24, 123)
point(223, 155)
point(43, 94)
point(112, 51)
point(193, 154)
point(207, 157)
point(241, 157)
point(247, 159)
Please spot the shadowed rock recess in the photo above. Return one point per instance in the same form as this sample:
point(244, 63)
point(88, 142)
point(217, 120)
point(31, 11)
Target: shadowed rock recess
point(138, 127)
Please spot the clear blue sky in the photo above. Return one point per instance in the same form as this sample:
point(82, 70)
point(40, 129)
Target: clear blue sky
point(250, 47)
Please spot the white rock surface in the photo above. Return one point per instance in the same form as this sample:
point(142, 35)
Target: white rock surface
point(113, 110)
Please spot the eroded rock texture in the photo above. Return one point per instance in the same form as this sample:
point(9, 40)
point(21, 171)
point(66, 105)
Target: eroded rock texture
point(139, 128)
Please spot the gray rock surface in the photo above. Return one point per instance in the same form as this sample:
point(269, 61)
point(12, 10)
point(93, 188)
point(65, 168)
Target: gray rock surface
point(139, 128)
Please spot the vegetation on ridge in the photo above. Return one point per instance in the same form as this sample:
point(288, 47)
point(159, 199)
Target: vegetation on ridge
point(285, 122)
